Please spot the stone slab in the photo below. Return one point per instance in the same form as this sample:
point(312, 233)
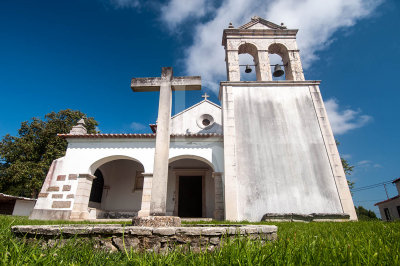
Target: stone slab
point(157, 221)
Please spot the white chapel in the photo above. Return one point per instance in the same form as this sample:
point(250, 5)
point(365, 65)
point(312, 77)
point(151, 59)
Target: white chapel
point(268, 152)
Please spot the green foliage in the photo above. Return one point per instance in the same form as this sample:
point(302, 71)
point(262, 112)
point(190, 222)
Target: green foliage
point(365, 215)
point(348, 169)
point(26, 158)
point(323, 243)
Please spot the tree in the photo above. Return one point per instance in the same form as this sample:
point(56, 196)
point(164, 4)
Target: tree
point(364, 214)
point(348, 169)
point(26, 158)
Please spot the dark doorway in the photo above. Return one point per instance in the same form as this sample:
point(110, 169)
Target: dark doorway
point(97, 187)
point(190, 196)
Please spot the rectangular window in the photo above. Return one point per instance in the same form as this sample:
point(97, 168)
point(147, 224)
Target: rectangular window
point(139, 179)
point(387, 214)
point(398, 210)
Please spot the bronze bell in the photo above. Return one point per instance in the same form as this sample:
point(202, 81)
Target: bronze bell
point(278, 72)
point(248, 69)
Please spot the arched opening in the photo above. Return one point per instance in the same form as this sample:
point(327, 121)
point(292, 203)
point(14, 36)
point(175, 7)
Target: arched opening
point(117, 189)
point(279, 55)
point(191, 188)
point(248, 55)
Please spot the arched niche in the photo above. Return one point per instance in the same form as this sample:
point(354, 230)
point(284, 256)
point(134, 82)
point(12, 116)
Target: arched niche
point(281, 50)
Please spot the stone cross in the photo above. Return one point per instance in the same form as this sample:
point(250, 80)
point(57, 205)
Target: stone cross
point(205, 96)
point(165, 85)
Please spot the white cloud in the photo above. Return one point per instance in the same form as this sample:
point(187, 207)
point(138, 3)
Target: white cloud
point(345, 120)
point(125, 3)
point(367, 164)
point(177, 11)
point(138, 126)
point(317, 21)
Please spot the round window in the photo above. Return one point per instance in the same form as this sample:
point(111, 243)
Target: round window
point(205, 121)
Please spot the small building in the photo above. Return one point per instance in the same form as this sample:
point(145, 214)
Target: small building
point(390, 208)
point(13, 205)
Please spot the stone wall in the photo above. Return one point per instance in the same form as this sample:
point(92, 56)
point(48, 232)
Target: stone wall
point(157, 239)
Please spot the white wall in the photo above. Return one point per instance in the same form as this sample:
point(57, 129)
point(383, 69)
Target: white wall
point(282, 162)
point(23, 207)
point(189, 120)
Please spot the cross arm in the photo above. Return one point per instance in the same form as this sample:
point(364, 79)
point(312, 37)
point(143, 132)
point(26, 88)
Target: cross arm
point(186, 83)
point(177, 83)
point(145, 84)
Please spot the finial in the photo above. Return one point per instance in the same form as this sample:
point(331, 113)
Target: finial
point(81, 121)
point(283, 25)
point(230, 25)
point(205, 96)
point(80, 128)
point(255, 17)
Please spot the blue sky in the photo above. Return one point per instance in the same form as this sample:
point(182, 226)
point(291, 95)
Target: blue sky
point(83, 54)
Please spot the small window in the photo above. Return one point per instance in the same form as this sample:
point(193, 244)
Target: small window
point(139, 179)
point(398, 210)
point(387, 214)
point(206, 122)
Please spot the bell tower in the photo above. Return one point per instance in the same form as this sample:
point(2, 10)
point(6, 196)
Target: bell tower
point(280, 155)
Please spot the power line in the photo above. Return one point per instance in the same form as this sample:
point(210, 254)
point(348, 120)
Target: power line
point(372, 186)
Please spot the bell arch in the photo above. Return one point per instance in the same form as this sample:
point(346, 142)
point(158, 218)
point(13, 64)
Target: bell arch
point(250, 49)
point(281, 50)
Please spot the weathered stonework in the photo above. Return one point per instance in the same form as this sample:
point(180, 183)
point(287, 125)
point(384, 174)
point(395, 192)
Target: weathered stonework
point(61, 204)
point(156, 239)
point(72, 177)
point(51, 189)
point(66, 188)
point(156, 221)
point(313, 217)
point(43, 195)
point(57, 196)
point(70, 196)
point(61, 177)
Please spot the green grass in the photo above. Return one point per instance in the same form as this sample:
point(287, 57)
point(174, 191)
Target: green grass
point(299, 243)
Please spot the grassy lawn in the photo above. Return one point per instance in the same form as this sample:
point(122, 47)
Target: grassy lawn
point(299, 243)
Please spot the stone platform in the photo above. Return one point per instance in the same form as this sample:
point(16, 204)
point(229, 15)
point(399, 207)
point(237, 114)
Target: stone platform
point(158, 239)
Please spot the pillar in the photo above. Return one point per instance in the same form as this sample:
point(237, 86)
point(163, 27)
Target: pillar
point(82, 195)
point(146, 194)
point(219, 196)
point(264, 66)
point(158, 202)
point(232, 64)
point(296, 67)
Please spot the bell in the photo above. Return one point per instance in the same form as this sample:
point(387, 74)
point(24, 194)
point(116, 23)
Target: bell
point(248, 69)
point(278, 71)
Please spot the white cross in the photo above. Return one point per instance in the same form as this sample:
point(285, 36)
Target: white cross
point(205, 96)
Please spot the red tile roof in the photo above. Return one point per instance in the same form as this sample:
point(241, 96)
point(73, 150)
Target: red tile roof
point(398, 196)
point(396, 180)
point(133, 136)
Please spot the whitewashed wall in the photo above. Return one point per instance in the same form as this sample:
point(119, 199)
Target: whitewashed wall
point(23, 207)
point(282, 162)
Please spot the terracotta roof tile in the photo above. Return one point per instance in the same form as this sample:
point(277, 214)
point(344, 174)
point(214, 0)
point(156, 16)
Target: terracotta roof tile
point(133, 136)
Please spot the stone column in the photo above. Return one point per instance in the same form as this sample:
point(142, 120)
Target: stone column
point(146, 194)
point(160, 173)
point(296, 67)
point(81, 201)
point(219, 196)
point(264, 66)
point(232, 65)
